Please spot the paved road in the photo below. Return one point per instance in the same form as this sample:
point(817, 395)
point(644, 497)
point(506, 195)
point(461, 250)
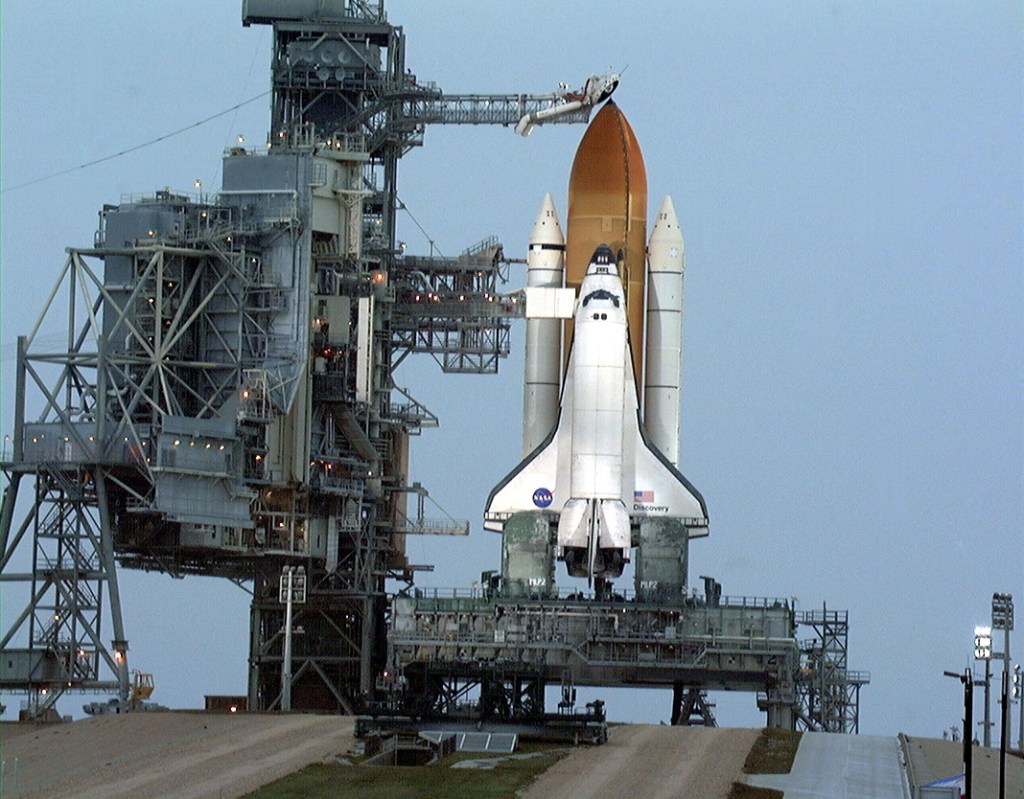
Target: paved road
point(830, 766)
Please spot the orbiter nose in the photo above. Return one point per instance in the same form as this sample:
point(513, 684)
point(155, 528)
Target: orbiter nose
point(602, 257)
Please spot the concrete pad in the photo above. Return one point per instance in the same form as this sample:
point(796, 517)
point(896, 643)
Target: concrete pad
point(830, 766)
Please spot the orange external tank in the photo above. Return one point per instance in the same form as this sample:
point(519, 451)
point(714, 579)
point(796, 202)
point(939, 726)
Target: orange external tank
point(608, 205)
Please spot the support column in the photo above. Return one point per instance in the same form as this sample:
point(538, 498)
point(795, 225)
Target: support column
point(119, 642)
point(690, 707)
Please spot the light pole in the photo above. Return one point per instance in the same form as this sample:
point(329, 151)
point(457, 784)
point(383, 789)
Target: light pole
point(1002, 619)
point(967, 678)
point(983, 651)
point(1018, 694)
point(292, 590)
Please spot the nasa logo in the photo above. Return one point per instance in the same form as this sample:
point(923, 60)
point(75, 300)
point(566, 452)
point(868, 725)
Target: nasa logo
point(542, 497)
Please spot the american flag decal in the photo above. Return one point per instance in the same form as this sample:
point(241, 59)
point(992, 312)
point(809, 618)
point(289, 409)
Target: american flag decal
point(643, 496)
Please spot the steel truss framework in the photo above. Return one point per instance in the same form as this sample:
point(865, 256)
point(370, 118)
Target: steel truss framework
point(829, 692)
point(370, 95)
point(93, 450)
point(691, 708)
point(451, 309)
point(449, 689)
point(162, 407)
point(72, 564)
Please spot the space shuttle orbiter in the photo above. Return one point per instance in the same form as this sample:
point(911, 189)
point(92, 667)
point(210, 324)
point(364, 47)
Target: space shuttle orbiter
point(596, 470)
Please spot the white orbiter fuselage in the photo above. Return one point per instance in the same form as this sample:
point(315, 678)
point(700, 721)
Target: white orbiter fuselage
point(596, 471)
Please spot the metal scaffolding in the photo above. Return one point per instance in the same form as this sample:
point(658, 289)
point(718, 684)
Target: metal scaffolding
point(223, 402)
point(451, 308)
point(829, 692)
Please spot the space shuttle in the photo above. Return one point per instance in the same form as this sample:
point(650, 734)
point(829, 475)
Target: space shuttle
point(601, 419)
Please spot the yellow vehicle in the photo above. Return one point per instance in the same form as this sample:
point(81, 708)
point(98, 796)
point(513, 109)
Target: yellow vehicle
point(142, 688)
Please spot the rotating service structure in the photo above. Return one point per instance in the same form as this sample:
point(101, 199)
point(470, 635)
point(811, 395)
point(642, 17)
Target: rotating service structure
point(223, 402)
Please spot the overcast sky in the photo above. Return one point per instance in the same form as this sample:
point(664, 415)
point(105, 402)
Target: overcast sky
point(848, 177)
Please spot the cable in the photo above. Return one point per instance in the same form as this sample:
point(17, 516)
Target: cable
point(137, 146)
point(260, 45)
point(433, 246)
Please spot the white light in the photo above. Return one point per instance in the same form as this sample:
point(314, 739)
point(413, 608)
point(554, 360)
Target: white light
point(982, 643)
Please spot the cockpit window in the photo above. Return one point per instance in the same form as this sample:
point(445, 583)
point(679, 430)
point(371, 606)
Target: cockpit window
point(601, 294)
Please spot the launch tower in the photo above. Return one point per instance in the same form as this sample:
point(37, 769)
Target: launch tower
point(223, 403)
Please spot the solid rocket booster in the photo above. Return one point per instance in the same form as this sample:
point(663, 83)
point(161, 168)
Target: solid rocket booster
point(545, 264)
point(663, 372)
point(608, 205)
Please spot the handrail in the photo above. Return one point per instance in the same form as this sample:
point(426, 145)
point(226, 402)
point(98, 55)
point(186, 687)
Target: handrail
point(573, 593)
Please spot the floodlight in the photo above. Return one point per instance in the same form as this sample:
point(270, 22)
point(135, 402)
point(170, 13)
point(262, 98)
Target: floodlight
point(982, 643)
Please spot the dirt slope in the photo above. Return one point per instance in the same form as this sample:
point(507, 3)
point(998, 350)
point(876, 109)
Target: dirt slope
point(931, 759)
point(181, 755)
point(651, 762)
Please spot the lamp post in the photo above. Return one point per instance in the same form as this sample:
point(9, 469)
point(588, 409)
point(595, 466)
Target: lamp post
point(292, 590)
point(1018, 694)
point(1002, 619)
point(983, 651)
point(967, 678)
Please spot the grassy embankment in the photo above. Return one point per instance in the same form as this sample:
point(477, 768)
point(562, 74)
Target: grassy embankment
point(411, 782)
point(772, 753)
